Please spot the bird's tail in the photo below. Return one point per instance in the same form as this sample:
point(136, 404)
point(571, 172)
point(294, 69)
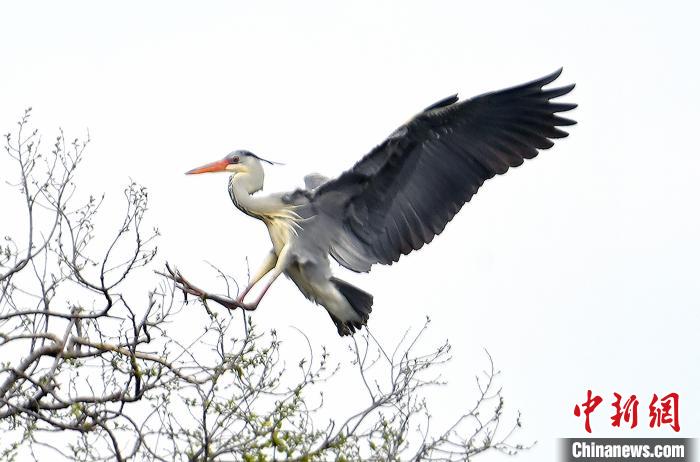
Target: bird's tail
point(359, 300)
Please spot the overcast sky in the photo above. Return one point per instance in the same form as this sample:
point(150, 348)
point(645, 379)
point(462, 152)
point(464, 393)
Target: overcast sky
point(577, 271)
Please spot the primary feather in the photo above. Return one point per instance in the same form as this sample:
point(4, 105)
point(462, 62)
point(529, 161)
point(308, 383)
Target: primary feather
point(406, 190)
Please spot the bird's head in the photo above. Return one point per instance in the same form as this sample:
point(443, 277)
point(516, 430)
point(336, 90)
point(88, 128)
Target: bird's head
point(235, 162)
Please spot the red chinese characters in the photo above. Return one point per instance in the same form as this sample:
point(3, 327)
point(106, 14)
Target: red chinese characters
point(662, 411)
point(626, 412)
point(589, 406)
point(665, 412)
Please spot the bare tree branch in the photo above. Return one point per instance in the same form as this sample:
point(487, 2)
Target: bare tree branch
point(188, 288)
point(91, 370)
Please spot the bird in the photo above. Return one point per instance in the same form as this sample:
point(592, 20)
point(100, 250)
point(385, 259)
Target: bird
point(396, 198)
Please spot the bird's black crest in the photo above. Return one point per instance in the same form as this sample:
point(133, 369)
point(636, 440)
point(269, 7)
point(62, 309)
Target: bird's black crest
point(248, 153)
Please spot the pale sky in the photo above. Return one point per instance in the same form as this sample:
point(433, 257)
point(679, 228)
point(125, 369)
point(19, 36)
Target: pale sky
point(577, 270)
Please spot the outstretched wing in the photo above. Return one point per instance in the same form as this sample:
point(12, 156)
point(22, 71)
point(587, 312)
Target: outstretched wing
point(404, 192)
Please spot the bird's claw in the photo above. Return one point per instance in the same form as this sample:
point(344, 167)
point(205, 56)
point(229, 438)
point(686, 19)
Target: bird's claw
point(188, 288)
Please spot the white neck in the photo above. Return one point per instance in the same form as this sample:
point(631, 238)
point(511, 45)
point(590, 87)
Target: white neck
point(241, 189)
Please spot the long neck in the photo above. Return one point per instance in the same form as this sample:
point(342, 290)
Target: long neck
point(241, 187)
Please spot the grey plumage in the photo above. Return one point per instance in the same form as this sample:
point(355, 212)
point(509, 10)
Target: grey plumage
point(399, 196)
point(404, 192)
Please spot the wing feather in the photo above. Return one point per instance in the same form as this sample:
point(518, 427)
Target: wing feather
point(403, 193)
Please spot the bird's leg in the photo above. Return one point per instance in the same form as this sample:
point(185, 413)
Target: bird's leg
point(280, 266)
point(267, 265)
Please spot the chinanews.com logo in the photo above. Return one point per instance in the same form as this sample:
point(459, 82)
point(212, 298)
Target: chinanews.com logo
point(657, 411)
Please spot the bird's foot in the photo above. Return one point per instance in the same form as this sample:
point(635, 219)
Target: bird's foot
point(189, 288)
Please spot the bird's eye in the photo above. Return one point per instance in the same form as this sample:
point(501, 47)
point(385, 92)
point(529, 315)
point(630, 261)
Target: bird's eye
point(235, 159)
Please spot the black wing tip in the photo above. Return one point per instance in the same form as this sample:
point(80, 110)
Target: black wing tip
point(554, 75)
point(552, 93)
point(563, 121)
point(547, 79)
point(534, 88)
point(563, 107)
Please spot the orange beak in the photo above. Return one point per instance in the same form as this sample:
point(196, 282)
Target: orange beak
point(218, 166)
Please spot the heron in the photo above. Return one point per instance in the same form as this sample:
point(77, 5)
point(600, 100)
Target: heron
point(395, 199)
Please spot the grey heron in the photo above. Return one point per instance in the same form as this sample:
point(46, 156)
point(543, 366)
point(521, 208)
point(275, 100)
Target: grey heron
point(396, 198)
